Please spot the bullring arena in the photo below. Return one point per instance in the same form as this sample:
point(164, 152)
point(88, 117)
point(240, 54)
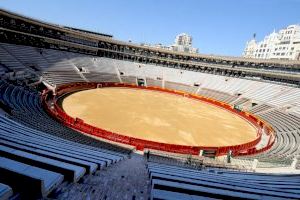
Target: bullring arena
point(159, 117)
point(86, 116)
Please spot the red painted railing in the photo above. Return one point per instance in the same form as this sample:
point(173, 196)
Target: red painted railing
point(51, 106)
point(270, 132)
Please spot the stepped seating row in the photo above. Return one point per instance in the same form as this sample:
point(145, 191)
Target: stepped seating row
point(273, 95)
point(220, 96)
point(28, 56)
point(5, 191)
point(287, 135)
point(248, 89)
point(18, 57)
point(41, 59)
point(180, 76)
point(28, 181)
point(282, 152)
point(296, 112)
point(104, 65)
point(9, 60)
point(181, 87)
point(228, 85)
point(264, 92)
point(173, 182)
point(289, 96)
point(82, 61)
point(62, 77)
point(260, 108)
point(101, 77)
point(57, 60)
point(281, 121)
point(280, 156)
point(36, 139)
point(286, 147)
point(27, 109)
point(196, 162)
point(45, 160)
point(287, 131)
point(62, 142)
point(240, 101)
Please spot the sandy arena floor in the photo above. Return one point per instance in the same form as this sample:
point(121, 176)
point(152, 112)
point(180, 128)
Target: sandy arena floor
point(158, 116)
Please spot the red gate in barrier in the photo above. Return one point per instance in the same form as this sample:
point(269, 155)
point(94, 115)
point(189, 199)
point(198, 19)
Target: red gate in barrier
point(51, 106)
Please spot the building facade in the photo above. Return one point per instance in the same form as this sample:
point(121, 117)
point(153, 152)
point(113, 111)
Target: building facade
point(284, 45)
point(183, 43)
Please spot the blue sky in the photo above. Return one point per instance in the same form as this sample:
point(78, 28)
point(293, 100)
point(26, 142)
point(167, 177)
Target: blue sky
point(217, 26)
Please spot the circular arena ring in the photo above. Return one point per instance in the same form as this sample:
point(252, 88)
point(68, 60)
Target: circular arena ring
point(52, 104)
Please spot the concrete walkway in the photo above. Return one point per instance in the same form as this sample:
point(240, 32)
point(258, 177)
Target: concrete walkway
point(126, 180)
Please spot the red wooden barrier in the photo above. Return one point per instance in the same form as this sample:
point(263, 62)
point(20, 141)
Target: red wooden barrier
point(141, 144)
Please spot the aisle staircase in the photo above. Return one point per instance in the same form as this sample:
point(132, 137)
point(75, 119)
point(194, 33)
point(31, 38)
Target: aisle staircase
point(126, 180)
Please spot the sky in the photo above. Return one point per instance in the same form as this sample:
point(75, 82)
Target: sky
point(219, 27)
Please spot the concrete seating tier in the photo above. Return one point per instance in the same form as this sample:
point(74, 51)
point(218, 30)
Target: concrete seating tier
point(173, 182)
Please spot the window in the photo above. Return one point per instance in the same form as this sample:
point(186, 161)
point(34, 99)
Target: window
point(292, 48)
point(282, 54)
